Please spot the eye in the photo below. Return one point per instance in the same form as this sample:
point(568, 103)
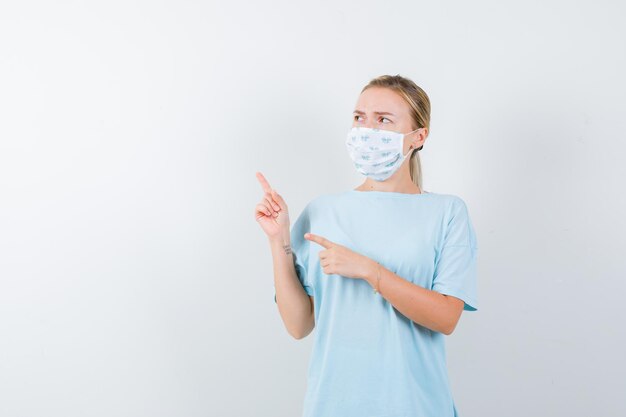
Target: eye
point(356, 117)
point(385, 118)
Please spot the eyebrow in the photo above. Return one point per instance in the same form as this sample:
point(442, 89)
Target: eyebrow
point(376, 112)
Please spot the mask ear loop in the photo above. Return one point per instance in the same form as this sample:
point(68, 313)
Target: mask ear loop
point(409, 151)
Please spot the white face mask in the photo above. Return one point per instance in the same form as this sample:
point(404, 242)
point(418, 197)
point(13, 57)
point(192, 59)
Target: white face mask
point(376, 153)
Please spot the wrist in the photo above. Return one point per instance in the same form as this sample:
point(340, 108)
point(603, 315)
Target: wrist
point(371, 272)
point(279, 241)
point(283, 234)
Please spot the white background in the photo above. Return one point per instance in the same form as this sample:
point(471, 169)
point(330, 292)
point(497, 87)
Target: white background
point(134, 280)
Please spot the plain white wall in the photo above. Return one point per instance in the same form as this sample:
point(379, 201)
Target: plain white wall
point(134, 280)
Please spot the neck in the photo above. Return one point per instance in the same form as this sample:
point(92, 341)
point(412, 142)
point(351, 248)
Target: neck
point(407, 187)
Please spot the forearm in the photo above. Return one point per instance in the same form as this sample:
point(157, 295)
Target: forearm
point(423, 306)
point(293, 302)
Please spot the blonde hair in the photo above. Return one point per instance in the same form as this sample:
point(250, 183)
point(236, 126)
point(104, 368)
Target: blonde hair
point(419, 104)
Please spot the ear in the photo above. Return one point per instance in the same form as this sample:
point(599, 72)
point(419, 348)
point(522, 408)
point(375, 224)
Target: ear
point(422, 134)
point(420, 139)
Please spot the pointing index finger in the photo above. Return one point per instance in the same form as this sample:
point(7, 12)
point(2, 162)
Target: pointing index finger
point(319, 240)
point(264, 183)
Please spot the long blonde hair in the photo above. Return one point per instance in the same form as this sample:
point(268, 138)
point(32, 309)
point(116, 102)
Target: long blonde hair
point(419, 103)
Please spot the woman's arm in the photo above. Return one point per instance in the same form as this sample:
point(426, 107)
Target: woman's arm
point(294, 304)
point(429, 308)
point(438, 312)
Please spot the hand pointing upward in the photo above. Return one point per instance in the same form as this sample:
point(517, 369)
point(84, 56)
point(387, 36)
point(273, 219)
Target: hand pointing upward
point(271, 212)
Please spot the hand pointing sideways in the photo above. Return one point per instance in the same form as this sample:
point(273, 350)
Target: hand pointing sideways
point(340, 260)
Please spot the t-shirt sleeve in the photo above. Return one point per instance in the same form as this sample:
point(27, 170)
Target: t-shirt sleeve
point(455, 267)
point(300, 249)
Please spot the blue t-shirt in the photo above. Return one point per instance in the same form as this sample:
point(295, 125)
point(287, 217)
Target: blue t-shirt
point(368, 359)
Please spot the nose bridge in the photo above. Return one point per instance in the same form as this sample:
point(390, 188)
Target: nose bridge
point(371, 121)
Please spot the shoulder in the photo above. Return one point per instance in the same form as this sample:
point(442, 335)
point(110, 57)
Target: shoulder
point(445, 202)
point(452, 201)
point(323, 200)
point(313, 206)
point(451, 198)
point(452, 207)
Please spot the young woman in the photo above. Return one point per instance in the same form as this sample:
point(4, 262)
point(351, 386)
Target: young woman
point(382, 272)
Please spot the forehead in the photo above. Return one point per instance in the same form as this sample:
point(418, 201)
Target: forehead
point(378, 99)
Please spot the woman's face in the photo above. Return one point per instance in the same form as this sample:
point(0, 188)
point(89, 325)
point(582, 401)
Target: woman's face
point(382, 108)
